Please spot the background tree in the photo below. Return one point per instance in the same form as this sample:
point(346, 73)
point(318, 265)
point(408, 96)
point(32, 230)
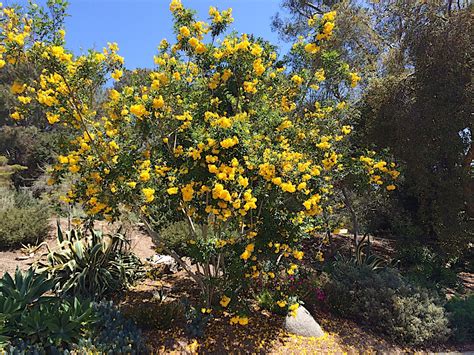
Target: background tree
point(30, 142)
point(415, 58)
point(423, 115)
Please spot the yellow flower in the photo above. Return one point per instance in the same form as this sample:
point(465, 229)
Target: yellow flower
point(292, 269)
point(172, 191)
point(346, 129)
point(294, 307)
point(224, 301)
point(319, 75)
point(145, 175)
point(298, 254)
point(17, 88)
point(74, 168)
point(281, 303)
point(149, 194)
point(63, 160)
point(328, 27)
point(184, 31)
point(223, 122)
point(256, 50)
point(301, 186)
point(311, 48)
point(258, 67)
point(229, 142)
point(250, 86)
point(329, 16)
point(245, 255)
point(243, 181)
point(158, 102)
point(193, 42)
point(175, 5)
point(354, 79)
point(16, 116)
point(298, 80)
point(132, 184)
point(187, 192)
point(243, 320)
point(138, 110)
point(324, 145)
point(117, 74)
point(391, 187)
point(200, 48)
point(113, 145)
point(288, 187)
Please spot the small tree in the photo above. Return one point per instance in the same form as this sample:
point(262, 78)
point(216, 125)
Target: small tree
point(221, 135)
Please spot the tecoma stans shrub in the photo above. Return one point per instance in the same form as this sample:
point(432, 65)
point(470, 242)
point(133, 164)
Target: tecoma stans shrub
point(220, 135)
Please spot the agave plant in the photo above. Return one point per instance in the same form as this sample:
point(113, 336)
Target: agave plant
point(363, 256)
point(17, 294)
point(90, 264)
point(20, 291)
point(57, 322)
point(29, 310)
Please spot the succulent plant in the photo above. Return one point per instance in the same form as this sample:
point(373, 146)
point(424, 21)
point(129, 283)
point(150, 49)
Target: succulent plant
point(90, 264)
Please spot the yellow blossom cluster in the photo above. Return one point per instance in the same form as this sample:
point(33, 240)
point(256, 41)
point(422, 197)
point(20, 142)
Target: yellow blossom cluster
point(377, 169)
point(220, 133)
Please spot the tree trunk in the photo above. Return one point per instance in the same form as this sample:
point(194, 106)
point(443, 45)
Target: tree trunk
point(355, 223)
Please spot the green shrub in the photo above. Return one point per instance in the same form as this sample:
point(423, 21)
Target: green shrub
point(427, 267)
point(461, 316)
point(266, 299)
point(176, 236)
point(7, 171)
point(196, 320)
point(385, 301)
point(30, 147)
point(23, 219)
point(163, 315)
point(33, 321)
point(91, 264)
point(31, 315)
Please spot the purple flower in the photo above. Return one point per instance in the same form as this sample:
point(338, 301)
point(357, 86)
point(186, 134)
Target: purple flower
point(320, 295)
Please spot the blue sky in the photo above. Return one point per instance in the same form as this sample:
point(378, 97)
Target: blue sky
point(139, 25)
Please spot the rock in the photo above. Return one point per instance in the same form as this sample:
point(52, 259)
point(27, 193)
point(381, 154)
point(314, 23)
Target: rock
point(165, 262)
point(303, 324)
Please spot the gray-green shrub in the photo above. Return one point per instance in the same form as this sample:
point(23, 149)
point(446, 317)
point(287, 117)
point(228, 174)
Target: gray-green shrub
point(387, 302)
point(23, 219)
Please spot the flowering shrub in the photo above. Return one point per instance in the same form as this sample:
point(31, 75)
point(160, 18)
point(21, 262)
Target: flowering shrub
point(221, 134)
